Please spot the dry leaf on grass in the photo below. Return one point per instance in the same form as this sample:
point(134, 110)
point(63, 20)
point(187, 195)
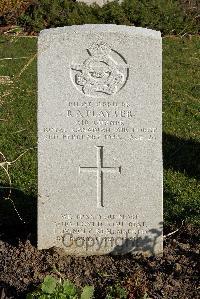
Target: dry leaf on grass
point(5, 80)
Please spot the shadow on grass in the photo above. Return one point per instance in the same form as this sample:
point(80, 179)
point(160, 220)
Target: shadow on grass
point(12, 228)
point(181, 155)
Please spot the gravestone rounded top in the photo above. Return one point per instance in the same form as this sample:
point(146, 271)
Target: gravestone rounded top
point(122, 29)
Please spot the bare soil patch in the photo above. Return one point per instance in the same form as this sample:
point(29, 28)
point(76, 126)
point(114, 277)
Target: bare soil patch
point(175, 275)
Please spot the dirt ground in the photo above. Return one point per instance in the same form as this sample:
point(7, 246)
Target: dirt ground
point(175, 275)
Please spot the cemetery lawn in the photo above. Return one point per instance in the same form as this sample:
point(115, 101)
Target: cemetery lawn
point(181, 153)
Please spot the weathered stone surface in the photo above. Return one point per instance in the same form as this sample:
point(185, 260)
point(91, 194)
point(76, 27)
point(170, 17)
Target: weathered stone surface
point(99, 139)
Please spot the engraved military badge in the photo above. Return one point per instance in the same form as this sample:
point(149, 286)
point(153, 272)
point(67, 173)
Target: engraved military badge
point(103, 73)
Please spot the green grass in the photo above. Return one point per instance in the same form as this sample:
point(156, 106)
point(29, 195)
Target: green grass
point(181, 127)
point(18, 126)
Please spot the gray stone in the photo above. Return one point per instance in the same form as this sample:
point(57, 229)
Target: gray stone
point(99, 139)
point(99, 2)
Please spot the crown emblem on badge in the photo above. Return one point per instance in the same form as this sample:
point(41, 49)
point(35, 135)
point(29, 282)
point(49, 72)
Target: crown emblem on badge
point(99, 48)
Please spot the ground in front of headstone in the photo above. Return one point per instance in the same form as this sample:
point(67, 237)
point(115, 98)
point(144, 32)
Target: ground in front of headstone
point(175, 275)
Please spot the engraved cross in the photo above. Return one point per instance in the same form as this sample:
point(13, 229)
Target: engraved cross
point(99, 170)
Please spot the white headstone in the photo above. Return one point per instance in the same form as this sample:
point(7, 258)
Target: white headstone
point(99, 139)
point(99, 2)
